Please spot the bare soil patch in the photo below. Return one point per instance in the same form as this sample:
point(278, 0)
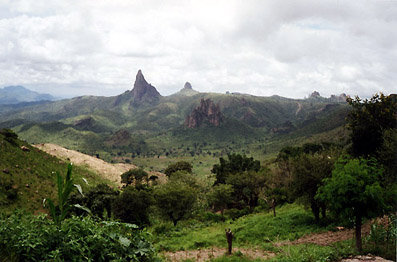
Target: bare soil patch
point(111, 172)
point(207, 254)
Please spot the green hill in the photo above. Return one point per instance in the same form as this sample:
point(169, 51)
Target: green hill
point(27, 174)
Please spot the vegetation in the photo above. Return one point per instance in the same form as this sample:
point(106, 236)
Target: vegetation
point(354, 191)
point(262, 184)
point(25, 237)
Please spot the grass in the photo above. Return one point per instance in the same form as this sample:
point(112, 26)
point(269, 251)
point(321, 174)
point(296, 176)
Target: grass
point(27, 177)
point(255, 230)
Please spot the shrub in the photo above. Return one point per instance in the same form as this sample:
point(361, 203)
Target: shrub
point(35, 238)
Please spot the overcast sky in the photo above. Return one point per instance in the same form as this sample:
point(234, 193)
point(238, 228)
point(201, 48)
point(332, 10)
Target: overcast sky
point(264, 47)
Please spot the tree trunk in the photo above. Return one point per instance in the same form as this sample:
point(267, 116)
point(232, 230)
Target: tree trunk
point(274, 208)
point(315, 211)
point(358, 233)
point(229, 238)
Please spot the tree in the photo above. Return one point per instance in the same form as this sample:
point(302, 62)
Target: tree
point(354, 191)
point(134, 176)
point(275, 191)
point(132, 205)
point(98, 199)
point(175, 199)
point(220, 197)
point(308, 171)
point(178, 166)
point(247, 186)
point(368, 120)
point(234, 164)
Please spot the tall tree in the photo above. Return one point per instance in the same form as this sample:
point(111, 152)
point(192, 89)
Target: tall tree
point(354, 191)
point(368, 120)
point(234, 164)
point(175, 199)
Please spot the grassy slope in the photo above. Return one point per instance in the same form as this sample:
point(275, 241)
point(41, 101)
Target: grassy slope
point(34, 168)
point(260, 230)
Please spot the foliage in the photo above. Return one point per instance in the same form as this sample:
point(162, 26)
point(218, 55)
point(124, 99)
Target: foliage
point(98, 199)
point(132, 205)
point(368, 120)
point(35, 238)
point(354, 191)
point(247, 187)
point(220, 196)
point(175, 199)
point(308, 171)
point(234, 164)
point(383, 237)
point(178, 166)
point(134, 176)
point(61, 210)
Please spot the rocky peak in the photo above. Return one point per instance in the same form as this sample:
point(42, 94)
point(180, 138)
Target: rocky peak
point(206, 112)
point(143, 91)
point(188, 86)
point(187, 90)
point(315, 94)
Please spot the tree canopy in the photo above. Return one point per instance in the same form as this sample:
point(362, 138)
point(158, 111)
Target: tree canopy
point(368, 120)
point(234, 164)
point(354, 191)
point(178, 166)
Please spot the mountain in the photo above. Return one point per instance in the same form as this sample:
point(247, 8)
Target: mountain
point(142, 121)
point(18, 94)
point(206, 113)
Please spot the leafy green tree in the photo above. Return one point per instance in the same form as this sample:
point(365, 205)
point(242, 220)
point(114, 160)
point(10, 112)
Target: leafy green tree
point(175, 199)
point(275, 191)
point(368, 120)
point(247, 186)
point(133, 204)
point(178, 166)
point(308, 171)
point(220, 197)
point(354, 191)
point(234, 164)
point(98, 199)
point(135, 176)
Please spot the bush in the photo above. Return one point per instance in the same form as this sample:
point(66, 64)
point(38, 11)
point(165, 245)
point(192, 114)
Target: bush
point(98, 199)
point(132, 206)
point(35, 238)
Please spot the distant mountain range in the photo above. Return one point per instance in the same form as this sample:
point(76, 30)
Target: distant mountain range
point(150, 122)
point(20, 94)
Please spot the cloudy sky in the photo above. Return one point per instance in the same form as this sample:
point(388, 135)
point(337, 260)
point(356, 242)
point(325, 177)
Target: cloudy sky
point(261, 47)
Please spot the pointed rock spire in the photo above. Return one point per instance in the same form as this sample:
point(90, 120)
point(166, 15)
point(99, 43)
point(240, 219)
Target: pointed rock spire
point(143, 91)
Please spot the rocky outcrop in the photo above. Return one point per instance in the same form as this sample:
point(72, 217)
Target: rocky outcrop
point(187, 90)
point(143, 92)
point(85, 123)
point(206, 113)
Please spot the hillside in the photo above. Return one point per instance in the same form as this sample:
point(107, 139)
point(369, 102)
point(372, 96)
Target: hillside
point(27, 174)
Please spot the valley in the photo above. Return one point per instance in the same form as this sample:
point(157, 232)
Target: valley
point(185, 167)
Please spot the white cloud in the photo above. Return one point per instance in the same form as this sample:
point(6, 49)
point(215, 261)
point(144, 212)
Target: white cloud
point(289, 48)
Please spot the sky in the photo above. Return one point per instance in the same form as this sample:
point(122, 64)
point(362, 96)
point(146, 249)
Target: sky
point(259, 47)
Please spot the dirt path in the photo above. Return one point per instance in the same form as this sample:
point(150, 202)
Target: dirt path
point(111, 172)
point(206, 254)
